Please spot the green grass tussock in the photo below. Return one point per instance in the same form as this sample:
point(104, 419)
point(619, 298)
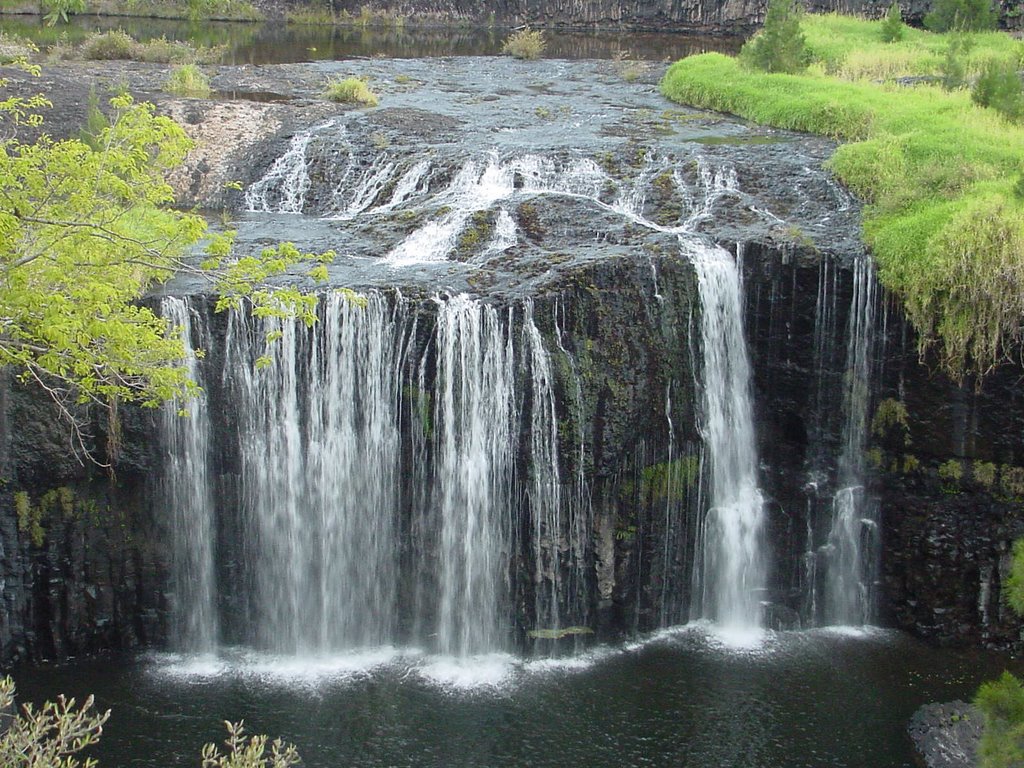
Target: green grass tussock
point(118, 44)
point(939, 175)
point(188, 80)
point(351, 90)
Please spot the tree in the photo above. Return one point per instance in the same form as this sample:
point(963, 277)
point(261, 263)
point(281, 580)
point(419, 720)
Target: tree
point(962, 15)
point(55, 734)
point(1002, 701)
point(780, 45)
point(999, 87)
point(892, 25)
point(84, 233)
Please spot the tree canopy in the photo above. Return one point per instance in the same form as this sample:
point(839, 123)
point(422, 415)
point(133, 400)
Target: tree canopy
point(85, 231)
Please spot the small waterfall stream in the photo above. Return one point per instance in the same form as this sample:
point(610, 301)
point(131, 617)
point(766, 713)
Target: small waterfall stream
point(189, 497)
point(732, 562)
point(475, 425)
point(319, 450)
point(852, 548)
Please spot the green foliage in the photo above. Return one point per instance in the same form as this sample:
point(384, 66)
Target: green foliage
point(953, 69)
point(668, 481)
point(1011, 481)
point(105, 46)
point(14, 48)
point(95, 122)
point(780, 46)
point(55, 11)
point(892, 25)
point(1002, 742)
point(30, 518)
point(939, 173)
point(1014, 591)
point(964, 15)
point(54, 736)
point(951, 473)
point(83, 234)
point(50, 737)
point(890, 422)
point(188, 80)
point(526, 44)
point(999, 87)
point(249, 752)
point(984, 474)
point(351, 90)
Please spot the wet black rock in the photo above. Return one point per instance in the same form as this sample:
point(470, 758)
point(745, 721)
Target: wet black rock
point(947, 735)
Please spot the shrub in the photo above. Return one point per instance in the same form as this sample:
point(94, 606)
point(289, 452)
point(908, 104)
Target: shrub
point(780, 45)
point(1002, 703)
point(963, 15)
point(525, 44)
point(892, 26)
point(984, 474)
point(1012, 481)
point(1014, 592)
point(951, 473)
point(14, 48)
point(953, 68)
point(105, 46)
point(351, 90)
point(999, 88)
point(54, 735)
point(188, 80)
point(95, 121)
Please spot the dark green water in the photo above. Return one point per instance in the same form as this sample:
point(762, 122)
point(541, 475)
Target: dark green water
point(278, 43)
point(819, 698)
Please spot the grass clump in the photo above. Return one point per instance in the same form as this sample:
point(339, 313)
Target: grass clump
point(107, 46)
point(939, 173)
point(188, 80)
point(351, 90)
point(526, 44)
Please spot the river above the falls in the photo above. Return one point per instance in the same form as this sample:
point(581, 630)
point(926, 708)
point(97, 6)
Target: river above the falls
point(831, 697)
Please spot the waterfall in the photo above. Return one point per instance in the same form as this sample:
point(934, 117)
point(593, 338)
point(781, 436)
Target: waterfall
point(852, 550)
point(185, 429)
point(731, 563)
point(284, 186)
point(475, 432)
point(319, 449)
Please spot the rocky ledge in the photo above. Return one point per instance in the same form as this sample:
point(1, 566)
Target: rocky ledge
point(947, 735)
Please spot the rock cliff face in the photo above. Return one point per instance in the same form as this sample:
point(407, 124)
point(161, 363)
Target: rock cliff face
point(720, 17)
point(96, 576)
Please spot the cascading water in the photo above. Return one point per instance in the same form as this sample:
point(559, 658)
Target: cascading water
point(189, 498)
point(475, 423)
point(851, 552)
point(731, 561)
point(319, 451)
point(283, 187)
